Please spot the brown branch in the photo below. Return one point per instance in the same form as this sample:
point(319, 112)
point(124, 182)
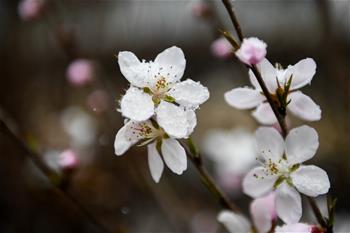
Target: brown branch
point(233, 17)
point(50, 175)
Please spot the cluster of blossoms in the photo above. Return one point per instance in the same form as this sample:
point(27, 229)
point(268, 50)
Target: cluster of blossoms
point(159, 108)
point(281, 172)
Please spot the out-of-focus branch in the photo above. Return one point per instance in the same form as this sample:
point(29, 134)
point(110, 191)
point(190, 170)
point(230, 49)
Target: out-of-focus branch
point(50, 175)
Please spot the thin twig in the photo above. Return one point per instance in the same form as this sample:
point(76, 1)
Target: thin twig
point(317, 212)
point(233, 17)
point(49, 174)
point(209, 182)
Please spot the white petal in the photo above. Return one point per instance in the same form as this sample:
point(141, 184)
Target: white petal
point(244, 98)
point(155, 162)
point(174, 120)
point(262, 211)
point(137, 105)
point(191, 121)
point(174, 155)
point(268, 73)
point(288, 203)
point(264, 114)
point(122, 143)
point(235, 223)
point(256, 183)
point(302, 72)
point(304, 107)
point(311, 180)
point(294, 228)
point(173, 62)
point(132, 69)
point(301, 144)
point(189, 93)
point(270, 143)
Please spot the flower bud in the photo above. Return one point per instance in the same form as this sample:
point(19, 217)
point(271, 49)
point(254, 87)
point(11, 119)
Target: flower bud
point(252, 51)
point(68, 160)
point(30, 9)
point(221, 48)
point(80, 72)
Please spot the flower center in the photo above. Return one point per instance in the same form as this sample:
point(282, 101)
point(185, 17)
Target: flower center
point(143, 130)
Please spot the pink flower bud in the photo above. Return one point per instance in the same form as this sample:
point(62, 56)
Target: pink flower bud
point(80, 72)
point(30, 9)
point(68, 160)
point(252, 51)
point(98, 101)
point(221, 48)
point(201, 9)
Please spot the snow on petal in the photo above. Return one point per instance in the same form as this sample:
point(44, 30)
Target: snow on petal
point(244, 98)
point(257, 183)
point(270, 143)
point(268, 73)
point(189, 93)
point(172, 63)
point(137, 105)
point(174, 155)
point(132, 69)
point(263, 211)
point(288, 203)
point(233, 222)
point(173, 119)
point(122, 143)
point(304, 107)
point(302, 73)
point(301, 144)
point(311, 180)
point(155, 162)
point(264, 114)
point(252, 51)
point(294, 228)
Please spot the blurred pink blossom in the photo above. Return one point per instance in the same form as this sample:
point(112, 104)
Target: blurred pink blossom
point(30, 9)
point(200, 9)
point(80, 72)
point(68, 160)
point(263, 211)
point(98, 100)
point(221, 48)
point(252, 51)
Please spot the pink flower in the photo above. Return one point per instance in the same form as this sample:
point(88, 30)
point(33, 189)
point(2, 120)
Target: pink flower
point(263, 211)
point(98, 101)
point(68, 160)
point(80, 72)
point(30, 9)
point(221, 48)
point(252, 51)
point(200, 9)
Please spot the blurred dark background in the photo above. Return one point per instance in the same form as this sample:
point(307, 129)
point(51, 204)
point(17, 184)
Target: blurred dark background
point(50, 113)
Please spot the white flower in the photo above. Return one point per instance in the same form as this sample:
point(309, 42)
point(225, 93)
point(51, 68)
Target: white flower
point(300, 105)
point(252, 51)
point(159, 143)
point(233, 153)
point(281, 170)
point(155, 84)
point(235, 223)
point(295, 228)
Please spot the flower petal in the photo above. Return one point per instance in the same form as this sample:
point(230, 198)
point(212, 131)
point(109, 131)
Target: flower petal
point(174, 120)
point(171, 61)
point(264, 114)
point(137, 105)
point(304, 107)
point(122, 143)
point(256, 183)
point(132, 69)
point(244, 98)
point(270, 143)
point(189, 93)
point(288, 203)
point(174, 155)
point(268, 73)
point(302, 73)
point(294, 228)
point(311, 180)
point(234, 222)
point(262, 211)
point(301, 144)
point(155, 162)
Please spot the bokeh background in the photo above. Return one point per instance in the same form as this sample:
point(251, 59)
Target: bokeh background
point(50, 111)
